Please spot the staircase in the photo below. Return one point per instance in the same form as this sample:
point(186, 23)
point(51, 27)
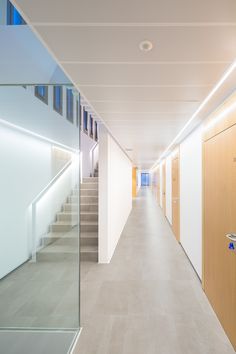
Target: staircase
point(89, 219)
point(61, 243)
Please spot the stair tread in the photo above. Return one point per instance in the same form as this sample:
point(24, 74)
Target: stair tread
point(88, 222)
point(75, 204)
point(89, 249)
point(53, 248)
point(70, 234)
point(61, 235)
point(88, 213)
point(89, 234)
point(63, 223)
point(87, 189)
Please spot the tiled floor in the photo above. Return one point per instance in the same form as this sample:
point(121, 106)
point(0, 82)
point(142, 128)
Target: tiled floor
point(43, 294)
point(148, 300)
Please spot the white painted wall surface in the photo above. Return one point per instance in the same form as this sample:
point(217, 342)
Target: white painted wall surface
point(32, 114)
point(161, 164)
point(191, 198)
point(51, 202)
point(169, 188)
point(25, 171)
point(138, 180)
point(86, 146)
point(115, 194)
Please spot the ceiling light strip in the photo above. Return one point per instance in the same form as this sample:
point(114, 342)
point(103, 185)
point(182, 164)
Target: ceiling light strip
point(202, 105)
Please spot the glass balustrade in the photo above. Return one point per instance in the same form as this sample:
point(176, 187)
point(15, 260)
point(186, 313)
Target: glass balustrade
point(39, 233)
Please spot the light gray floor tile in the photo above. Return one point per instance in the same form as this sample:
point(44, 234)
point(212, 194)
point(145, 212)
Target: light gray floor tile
point(148, 300)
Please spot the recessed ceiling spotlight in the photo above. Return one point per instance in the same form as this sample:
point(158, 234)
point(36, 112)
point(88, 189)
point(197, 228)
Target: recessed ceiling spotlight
point(145, 46)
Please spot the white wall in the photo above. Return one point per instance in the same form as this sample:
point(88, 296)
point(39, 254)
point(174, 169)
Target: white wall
point(191, 198)
point(86, 145)
point(169, 188)
point(138, 180)
point(25, 170)
point(51, 202)
point(115, 194)
point(161, 182)
point(20, 107)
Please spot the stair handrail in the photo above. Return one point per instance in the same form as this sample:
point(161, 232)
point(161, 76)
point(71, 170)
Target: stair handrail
point(35, 201)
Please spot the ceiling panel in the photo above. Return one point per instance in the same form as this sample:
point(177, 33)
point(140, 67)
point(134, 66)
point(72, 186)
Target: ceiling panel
point(152, 74)
point(110, 11)
point(135, 93)
point(145, 98)
point(142, 106)
point(121, 44)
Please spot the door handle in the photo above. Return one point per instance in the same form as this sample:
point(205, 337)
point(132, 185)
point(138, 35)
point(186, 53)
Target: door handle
point(231, 236)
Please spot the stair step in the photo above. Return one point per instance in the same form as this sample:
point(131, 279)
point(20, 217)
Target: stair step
point(88, 199)
point(89, 207)
point(87, 192)
point(68, 216)
point(70, 207)
point(55, 252)
point(90, 179)
point(60, 226)
point(88, 226)
point(89, 185)
point(89, 253)
point(62, 238)
point(89, 216)
point(88, 239)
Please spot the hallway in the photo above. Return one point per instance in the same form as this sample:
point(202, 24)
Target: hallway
point(148, 300)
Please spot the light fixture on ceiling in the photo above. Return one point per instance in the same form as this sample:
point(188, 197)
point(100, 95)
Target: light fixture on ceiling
point(145, 46)
point(228, 72)
point(128, 149)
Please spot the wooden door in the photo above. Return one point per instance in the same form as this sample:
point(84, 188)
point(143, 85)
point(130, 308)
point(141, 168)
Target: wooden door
point(175, 196)
point(134, 182)
point(219, 220)
point(164, 188)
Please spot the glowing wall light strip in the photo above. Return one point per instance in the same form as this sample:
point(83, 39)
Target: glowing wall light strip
point(203, 104)
point(221, 116)
point(38, 136)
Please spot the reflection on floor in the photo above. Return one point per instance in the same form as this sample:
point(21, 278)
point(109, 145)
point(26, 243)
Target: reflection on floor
point(44, 294)
point(148, 300)
point(35, 342)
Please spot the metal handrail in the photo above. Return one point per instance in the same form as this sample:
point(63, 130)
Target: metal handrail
point(35, 201)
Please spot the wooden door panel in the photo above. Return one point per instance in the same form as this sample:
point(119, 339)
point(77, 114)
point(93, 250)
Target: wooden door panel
point(220, 219)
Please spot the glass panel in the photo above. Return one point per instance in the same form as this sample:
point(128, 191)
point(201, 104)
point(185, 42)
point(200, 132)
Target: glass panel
point(39, 188)
point(70, 105)
point(57, 98)
point(96, 130)
point(13, 16)
point(41, 92)
point(85, 114)
point(91, 126)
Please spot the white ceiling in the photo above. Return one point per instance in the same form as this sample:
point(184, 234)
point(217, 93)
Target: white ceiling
point(144, 98)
